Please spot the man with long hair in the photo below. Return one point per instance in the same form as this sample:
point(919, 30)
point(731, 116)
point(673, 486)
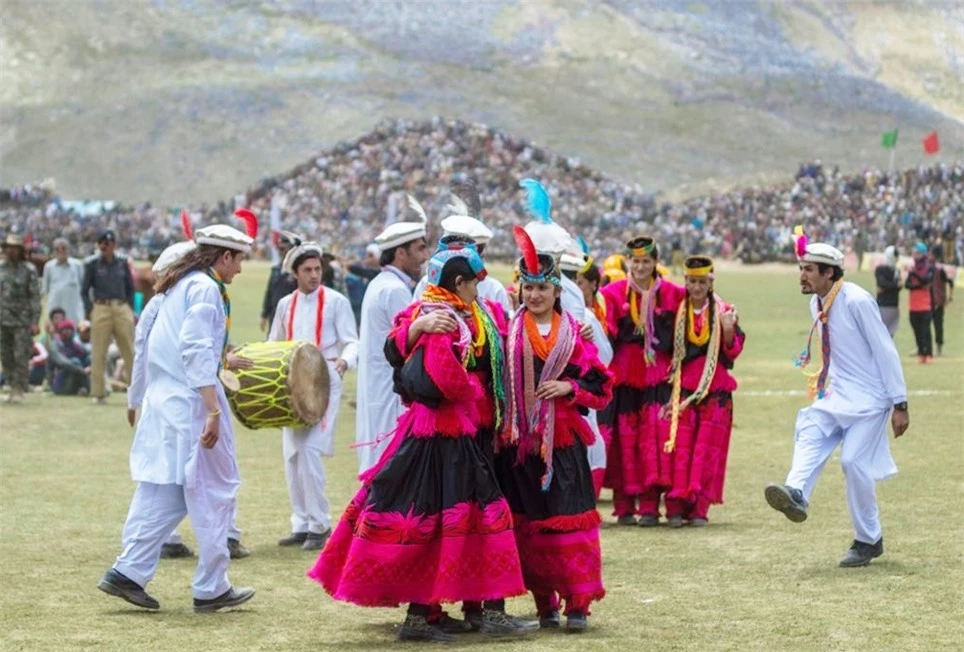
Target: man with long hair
point(183, 456)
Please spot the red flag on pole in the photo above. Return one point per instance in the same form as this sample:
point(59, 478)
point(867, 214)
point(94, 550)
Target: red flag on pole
point(931, 144)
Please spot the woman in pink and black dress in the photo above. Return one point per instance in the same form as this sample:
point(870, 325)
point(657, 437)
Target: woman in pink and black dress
point(430, 524)
point(554, 378)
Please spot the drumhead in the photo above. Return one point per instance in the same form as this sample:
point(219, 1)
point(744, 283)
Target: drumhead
point(308, 383)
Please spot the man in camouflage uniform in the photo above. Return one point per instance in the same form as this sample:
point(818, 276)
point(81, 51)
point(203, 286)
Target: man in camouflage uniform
point(19, 315)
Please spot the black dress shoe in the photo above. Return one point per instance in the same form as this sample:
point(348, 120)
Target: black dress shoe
point(788, 500)
point(416, 628)
point(316, 541)
point(861, 553)
point(294, 539)
point(230, 598)
point(576, 622)
point(175, 551)
point(123, 587)
point(236, 550)
point(498, 623)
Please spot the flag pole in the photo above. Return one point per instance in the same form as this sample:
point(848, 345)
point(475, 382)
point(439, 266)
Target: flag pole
point(890, 166)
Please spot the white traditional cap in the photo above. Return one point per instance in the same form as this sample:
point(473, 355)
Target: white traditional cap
point(550, 238)
point(222, 235)
point(569, 262)
point(467, 226)
point(288, 264)
point(373, 249)
point(171, 255)
point(818, 252)
point(399, 233)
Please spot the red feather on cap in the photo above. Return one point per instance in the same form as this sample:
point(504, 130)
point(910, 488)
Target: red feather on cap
point(529, 254)
point(186, 225)
point(250, 221)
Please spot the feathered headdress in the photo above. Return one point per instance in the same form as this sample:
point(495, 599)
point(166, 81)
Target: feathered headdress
point(800, 241)
point(465, 199)
point(187, 225)
point(538, 203)
point(534, 268)
point(250, 222)
point(417, 207)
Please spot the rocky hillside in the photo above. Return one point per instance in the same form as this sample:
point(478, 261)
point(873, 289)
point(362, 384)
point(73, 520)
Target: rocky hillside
point(189, 100)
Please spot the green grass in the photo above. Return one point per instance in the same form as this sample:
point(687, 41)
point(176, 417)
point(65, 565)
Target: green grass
point(751, 580)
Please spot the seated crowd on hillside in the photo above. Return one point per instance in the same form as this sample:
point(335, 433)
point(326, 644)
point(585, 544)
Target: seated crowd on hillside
point(344, 197)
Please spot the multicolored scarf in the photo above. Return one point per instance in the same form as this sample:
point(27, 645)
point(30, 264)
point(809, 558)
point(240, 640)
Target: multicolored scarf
point(531, 420)
point(682, 332)
point(817, 381)
point(643, 314)
point(227, 311)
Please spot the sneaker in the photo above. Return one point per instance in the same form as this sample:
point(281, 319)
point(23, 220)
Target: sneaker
point(99, 400)
point(451, 625)
point(316, 541)
point(230, 598)
point(416, 628)
point(861, 553)
point(15, 397)
point(626, 519)
point(498, 623)
point(648, 520)
point(576, 622)
point(550, 620)
point(698, 522)
point(675, 521)
point(294, 539)
point(121, 586)
point(474, 619)
point(237, 550)
point(788, 500)
point(175, 551)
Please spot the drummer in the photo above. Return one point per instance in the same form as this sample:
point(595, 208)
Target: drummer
point(324, 317)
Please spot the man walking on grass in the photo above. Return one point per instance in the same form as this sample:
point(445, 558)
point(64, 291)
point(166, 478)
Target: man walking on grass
point(859, 387)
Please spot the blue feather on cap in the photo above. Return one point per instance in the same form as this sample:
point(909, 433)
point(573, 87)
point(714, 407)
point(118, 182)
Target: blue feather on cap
point(583, 245)
point(539, 204)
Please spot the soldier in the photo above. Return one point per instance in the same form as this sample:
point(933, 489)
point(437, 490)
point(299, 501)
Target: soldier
point(19, 315)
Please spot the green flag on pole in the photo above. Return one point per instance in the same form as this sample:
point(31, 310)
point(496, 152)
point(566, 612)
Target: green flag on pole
point(889, 139)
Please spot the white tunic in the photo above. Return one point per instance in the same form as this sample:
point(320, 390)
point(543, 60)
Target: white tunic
point(573, 300)
point(488, 288)
point(597, 451)
point(135, 392)
point(378, 406)
point(183, 353)
point(61, 286)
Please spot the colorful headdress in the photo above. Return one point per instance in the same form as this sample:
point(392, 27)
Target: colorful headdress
point(698, 266)
point(815, 252)
point(615, 261)
point(447, 252)
point(547, 236)
point(533, 266)
point(641, 246)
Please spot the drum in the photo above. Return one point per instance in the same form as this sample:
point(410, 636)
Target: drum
point(287, 387)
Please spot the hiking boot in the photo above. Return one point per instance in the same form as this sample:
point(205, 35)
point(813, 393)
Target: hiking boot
point(451, 625)
point(788, 500)
point(315, 541)
point(626, 519)
point(175, 551)
point(121, 586)
point(294, 539)
point(861, 553)
point(648, 520)
point(230, 598)
point(416, 628)
point(576, 622)
point(236, 549)
point(675, 521)
point(498, 623)
point(550, 620)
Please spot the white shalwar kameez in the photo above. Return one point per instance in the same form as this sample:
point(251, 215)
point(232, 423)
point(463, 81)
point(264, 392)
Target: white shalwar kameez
point(303, 448)
point(865, 382)
point(176, 475)
point(488, 288)
point(378, 406)
point(597, 451)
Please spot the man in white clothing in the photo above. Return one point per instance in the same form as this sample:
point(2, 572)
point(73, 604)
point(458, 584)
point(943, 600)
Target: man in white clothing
point(322, 316)
point(183, 455)
point(63, 277)
point(859, 387)
point(403, 253)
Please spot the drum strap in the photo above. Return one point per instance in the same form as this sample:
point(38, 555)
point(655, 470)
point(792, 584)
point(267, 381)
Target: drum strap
point(319, 316)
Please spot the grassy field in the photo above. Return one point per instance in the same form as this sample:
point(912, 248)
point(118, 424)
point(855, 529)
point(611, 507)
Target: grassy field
point(751, 580)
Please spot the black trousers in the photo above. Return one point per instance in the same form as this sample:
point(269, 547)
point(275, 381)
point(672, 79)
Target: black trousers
point(921, 323)
point(938, 316)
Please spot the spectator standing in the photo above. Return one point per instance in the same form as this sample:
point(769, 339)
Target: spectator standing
point(108, 294)
point(888, 290)
point(62, 279)
point(280, 283)
point(942, 293)
point(919, 280)
point(19, 315)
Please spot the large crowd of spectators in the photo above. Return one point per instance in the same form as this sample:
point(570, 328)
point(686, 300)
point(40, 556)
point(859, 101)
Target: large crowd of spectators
point(345, 196)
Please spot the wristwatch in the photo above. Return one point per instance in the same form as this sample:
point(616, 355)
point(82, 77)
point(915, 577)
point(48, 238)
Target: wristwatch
point(902, 406)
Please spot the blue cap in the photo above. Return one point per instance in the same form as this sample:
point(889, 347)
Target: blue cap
point(920, 248)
